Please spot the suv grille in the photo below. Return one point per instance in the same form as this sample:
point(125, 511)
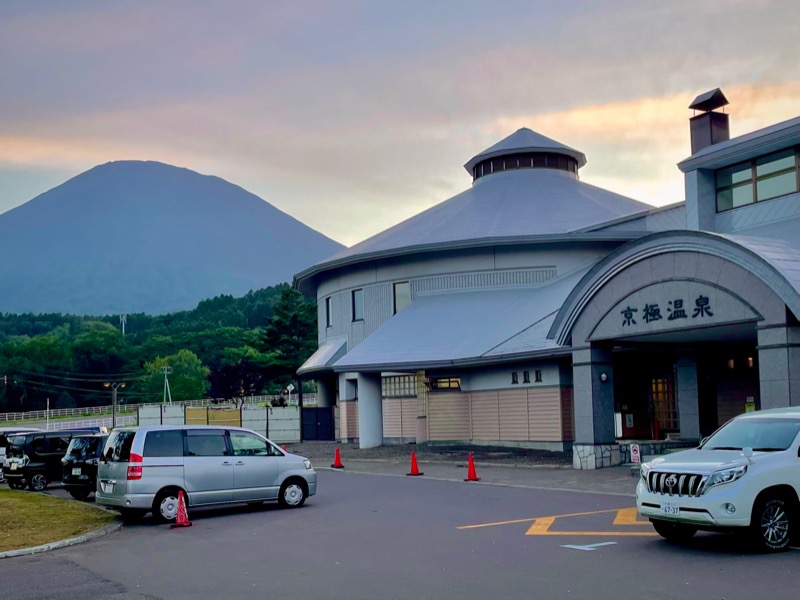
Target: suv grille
point(683, 484)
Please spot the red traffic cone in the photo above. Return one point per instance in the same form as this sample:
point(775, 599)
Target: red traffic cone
point(284, 447)
point(337, 461)
point(183, 519)
point(471, 474)
point(414, 468)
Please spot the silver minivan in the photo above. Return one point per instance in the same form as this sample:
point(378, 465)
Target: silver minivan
point(142, 469)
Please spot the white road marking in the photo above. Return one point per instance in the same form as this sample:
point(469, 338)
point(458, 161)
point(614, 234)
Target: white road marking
point(589, 547)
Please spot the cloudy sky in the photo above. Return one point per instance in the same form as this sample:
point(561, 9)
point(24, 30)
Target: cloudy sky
point(352, 116)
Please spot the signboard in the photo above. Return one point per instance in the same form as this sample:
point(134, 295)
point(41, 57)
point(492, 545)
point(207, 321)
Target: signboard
point(750, 404)
point(629, 420)
point(635, 453)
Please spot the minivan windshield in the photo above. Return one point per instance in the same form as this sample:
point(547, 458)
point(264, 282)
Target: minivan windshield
point(81, 447)
point(760, 434)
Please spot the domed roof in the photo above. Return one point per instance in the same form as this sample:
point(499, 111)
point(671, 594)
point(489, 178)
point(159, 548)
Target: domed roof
point(526, 140)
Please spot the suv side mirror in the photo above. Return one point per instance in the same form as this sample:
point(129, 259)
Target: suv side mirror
point(703, 441)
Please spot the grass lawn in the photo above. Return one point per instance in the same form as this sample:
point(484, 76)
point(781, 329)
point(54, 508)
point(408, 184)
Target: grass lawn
point(30, 519)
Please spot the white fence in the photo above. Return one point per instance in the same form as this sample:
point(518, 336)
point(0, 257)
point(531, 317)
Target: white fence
point(122, 420)
point(280, 424)
point(89, 411)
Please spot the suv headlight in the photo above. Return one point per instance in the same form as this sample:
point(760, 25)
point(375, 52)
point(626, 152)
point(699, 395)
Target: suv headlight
point(724, 476)
point(644, 469)
point(307, 463)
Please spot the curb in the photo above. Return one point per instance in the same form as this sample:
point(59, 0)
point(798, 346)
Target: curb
point(63, 543)
point(457, 463)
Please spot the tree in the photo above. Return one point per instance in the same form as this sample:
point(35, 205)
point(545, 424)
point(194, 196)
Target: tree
point(241, 372)
point(187, 379)
point(290, 336)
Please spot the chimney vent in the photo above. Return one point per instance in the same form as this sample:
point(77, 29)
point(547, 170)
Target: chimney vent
point(709, 127)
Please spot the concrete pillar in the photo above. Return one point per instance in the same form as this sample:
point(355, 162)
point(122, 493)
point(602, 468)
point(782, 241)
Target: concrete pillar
point(688, 399)
point(370, 410)
point(779, 366)
point(593, 387)
point(326, 392)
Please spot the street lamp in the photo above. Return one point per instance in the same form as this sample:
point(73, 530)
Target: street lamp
point(114, 387)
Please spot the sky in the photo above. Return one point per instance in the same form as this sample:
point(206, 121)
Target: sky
point(355, 115)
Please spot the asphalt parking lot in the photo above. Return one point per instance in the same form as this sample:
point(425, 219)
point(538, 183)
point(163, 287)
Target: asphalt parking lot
point(377, 536)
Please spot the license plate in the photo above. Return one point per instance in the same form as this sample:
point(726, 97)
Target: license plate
point(76, 471)
point(107, 487)
point(13, 466)
point(668, 508)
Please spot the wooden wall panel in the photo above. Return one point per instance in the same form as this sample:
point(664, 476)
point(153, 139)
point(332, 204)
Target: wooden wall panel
point(485, 416)
point(513, 408)
point(544, 414)
point(448, 416)
point(392, 418)
point(410, 411)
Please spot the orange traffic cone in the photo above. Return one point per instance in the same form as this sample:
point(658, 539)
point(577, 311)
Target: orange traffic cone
point(414, 468)
point(183, 519)
point(337, 461)
point(471, 474)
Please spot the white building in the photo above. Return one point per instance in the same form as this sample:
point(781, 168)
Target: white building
point(534, 309)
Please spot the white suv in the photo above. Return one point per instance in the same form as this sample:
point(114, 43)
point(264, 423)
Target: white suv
point(745, 477)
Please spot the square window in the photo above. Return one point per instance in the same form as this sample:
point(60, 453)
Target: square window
point(526, 377)
point(357, 304)
point(402, 295)
point(514, 377)
point(777, 185)
point(537, 376)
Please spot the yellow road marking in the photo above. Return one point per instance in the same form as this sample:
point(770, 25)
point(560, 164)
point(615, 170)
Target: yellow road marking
point(542, 525)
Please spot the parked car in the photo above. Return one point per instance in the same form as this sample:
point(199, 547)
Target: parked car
point(743, 478)
point(144, 468)
point(4, 433)
point(34, 459)
point(79, 464)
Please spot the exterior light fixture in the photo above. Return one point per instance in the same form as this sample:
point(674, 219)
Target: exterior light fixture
point(603, 377)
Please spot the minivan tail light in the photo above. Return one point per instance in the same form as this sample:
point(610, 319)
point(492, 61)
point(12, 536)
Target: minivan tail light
point(135, 472)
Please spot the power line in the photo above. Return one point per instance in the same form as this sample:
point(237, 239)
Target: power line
point(94, 378)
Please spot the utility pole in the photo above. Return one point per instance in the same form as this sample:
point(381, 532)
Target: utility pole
point(167, 393)
point(114, 387)
point(123, 320)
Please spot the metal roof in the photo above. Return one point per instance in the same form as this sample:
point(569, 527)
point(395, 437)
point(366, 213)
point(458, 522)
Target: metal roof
point(503, 324)
point(710, 100)
point(328, 353)
point(525, 140)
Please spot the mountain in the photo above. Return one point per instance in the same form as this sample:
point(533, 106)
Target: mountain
point(135, 236)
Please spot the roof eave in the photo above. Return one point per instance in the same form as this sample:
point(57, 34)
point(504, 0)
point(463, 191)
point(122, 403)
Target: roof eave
point(599, 236)
point(576, 154)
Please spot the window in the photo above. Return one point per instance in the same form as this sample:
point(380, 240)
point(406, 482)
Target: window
point(445, 383)
point(765, 178)
point(537, 376)
point(526, 377)
point(399, 386)
point(328, 319)
point(514, 377)
point(357, 303)
point(402, 295)
point(205, 442)
point(246, 444)
point(525, 160)
point(164, 443)
point(59, 445)
point(37, 445)
point(118, 447)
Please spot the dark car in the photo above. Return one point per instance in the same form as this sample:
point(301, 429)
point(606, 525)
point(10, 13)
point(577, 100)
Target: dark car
point(79, 465)
point(33, 459)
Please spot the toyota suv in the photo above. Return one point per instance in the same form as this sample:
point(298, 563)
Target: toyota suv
point(743, 478)
point(143, 469)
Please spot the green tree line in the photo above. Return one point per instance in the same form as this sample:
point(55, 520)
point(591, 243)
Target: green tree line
point(225, 348)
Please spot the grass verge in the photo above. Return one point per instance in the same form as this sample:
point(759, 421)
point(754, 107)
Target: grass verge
point(30, 519)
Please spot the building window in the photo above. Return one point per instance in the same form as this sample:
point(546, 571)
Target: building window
point(328, 314)
point(537, 376)
point(402, 295)
point(761, 179)
point(444, 384)
point(526, 377)
point(357, 305)
point(399, 386)
point(525, 160)
point(514, 377)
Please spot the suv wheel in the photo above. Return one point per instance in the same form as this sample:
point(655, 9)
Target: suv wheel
point(165, 506)
point(771, 524)
point(38, 483)
point(17, 485)
point(292, 494)
point(674, 532)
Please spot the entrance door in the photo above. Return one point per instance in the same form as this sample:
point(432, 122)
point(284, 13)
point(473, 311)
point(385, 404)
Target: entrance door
point(318, 423)
point(664, 405)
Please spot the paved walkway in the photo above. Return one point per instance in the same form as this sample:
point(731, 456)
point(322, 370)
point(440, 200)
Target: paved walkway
point(492, 468)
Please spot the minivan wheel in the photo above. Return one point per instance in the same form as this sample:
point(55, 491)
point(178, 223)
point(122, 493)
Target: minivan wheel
point(771, 524)
point(165, 506)
point(674, 532)
point(16, 485)
point(292, 494)
point(38, 483)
